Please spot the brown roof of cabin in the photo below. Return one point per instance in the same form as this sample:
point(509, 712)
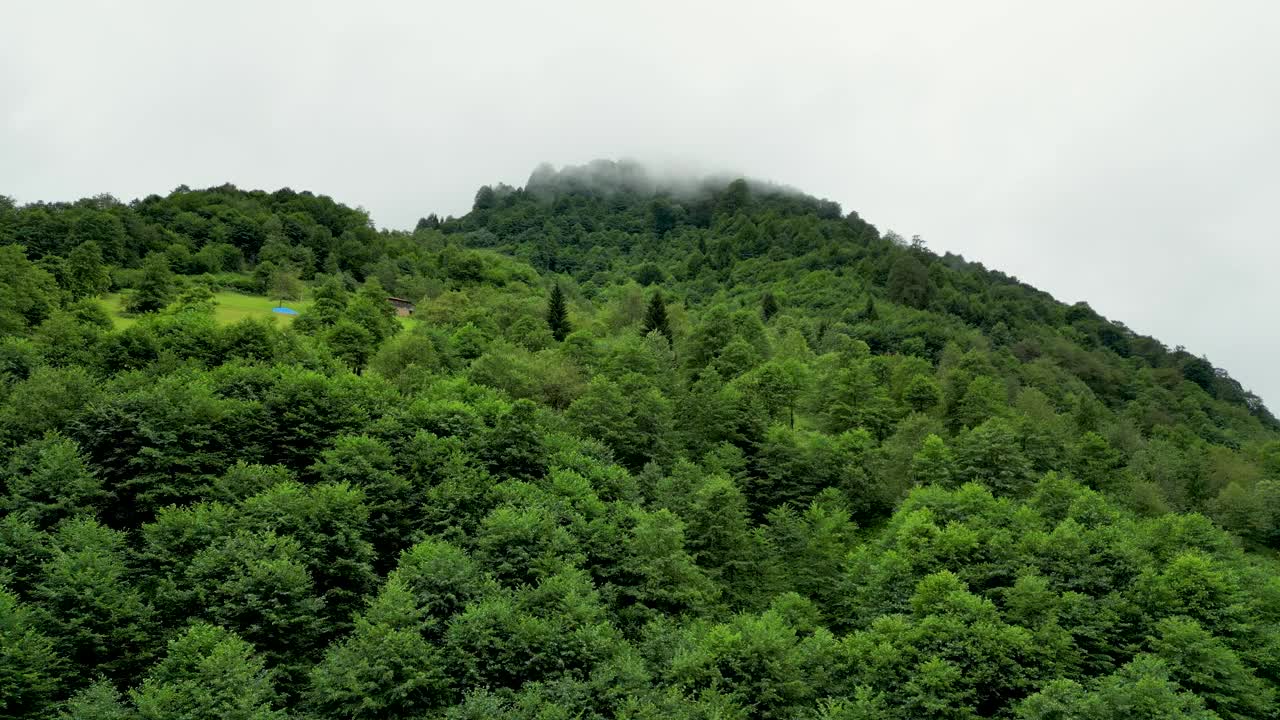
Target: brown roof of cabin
point(400, 300)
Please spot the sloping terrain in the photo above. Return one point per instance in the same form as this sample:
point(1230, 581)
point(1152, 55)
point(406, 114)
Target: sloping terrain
point(649, 449)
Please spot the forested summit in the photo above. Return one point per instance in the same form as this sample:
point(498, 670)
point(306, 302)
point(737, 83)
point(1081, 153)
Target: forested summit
point(735, 237)
point(648, 447)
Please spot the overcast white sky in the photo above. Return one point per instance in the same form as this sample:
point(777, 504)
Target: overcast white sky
point(1123, 153)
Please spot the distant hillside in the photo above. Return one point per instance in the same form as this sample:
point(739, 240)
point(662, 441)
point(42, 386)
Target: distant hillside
point(606, 222)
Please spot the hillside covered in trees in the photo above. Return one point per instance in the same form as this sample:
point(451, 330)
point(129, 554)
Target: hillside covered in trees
point(646, 449)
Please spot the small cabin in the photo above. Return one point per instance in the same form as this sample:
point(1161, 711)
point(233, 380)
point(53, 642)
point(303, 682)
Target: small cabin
point(403, 307)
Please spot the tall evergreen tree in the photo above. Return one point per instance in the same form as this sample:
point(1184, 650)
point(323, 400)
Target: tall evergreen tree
point(768, 306)
point(655, 317)
point(430, 222)
point(558, 314)
point(869, 313)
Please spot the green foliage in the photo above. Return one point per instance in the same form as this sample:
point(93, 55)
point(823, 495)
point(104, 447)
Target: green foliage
point(28, 293)
point(760, 661)
point(631, 417)
point(856, 399)
point(85, 271)
point(768, 306)
point(386, 668)
point(207, 673)
point(48, 481)
point(558, 314)
point(258, 582)
point(922, 394)
point(1141, 690)
point(1206, 666)
point(99, 701)
point(655, 317)
point(991, 454)
point(370, 310)
point(366, 463)
point(843, 477)
point(284, 285)
point(351, 342)
point(331, 523)
point(97, 619)
point(31, 671)
point(156, 287)
point(329, 299)
point(909, 282)
point(934, 464)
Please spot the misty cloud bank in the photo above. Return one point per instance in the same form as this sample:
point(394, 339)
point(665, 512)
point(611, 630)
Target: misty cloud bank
point(603, 177)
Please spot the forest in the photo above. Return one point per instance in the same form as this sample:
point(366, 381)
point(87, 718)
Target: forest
point(645, 449)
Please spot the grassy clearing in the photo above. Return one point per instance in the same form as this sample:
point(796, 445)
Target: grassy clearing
point(231, 307)
point(114, 303)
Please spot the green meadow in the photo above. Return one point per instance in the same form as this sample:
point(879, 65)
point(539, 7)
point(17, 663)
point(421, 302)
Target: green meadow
point(230, 307)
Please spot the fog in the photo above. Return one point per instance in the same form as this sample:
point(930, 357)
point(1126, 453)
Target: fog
point(1119, 153)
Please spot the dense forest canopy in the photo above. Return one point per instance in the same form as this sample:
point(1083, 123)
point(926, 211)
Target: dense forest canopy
point(647, 448)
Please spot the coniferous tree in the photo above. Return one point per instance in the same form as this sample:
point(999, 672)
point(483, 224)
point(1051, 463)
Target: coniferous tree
point(558, 314)
point(655, 317)
point(430, 222)
point(768, 306)
point(869, 313)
